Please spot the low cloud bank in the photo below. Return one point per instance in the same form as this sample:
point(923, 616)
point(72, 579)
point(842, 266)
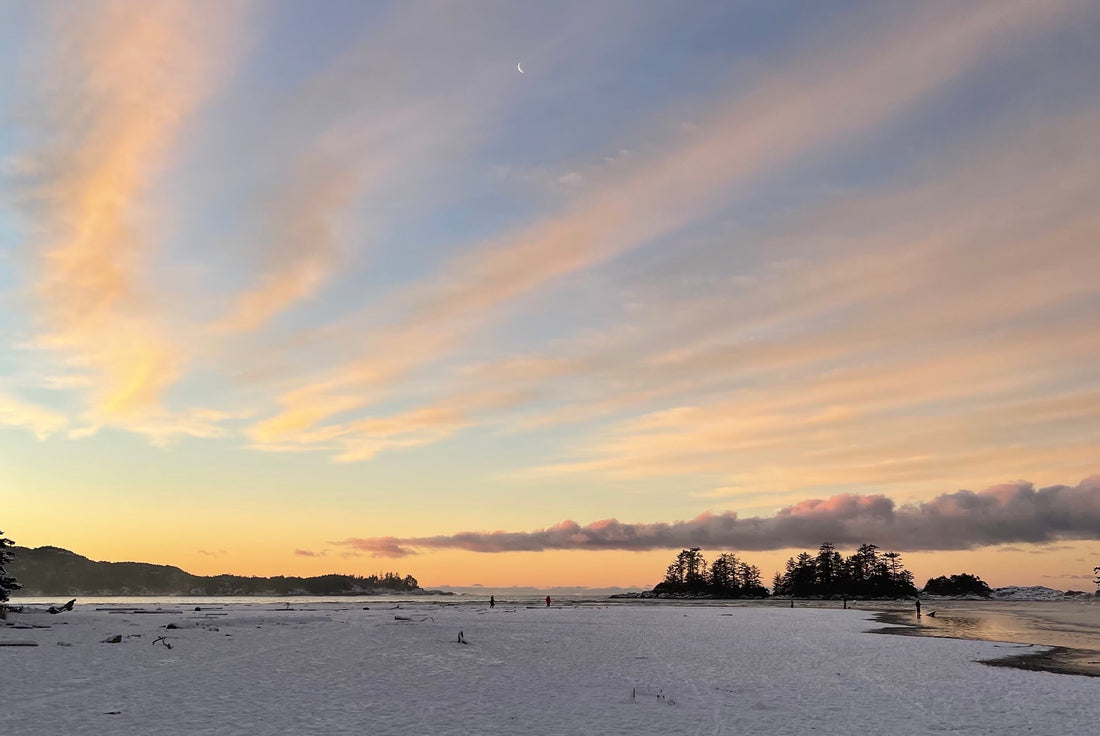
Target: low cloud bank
point(1001, 514)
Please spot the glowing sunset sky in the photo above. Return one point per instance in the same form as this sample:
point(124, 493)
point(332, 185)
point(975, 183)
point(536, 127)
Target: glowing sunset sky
point(297, 288)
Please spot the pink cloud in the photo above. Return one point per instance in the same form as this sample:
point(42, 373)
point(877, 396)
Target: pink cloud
point(1002, 514)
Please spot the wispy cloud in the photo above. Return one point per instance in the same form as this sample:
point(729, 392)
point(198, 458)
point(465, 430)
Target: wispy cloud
point(814, 102)
point(116, 84)
point(807, 106)
point(1068, 577)
point(335, 144)
point(300, 244)
point(823, 386)
point(364, 438)
point(953, 299)
point(41, 421)
point(1011, 512)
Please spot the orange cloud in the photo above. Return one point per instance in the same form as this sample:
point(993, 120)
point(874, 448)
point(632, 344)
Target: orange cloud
point(300, 246)
point(116, 84)
point(362, 439)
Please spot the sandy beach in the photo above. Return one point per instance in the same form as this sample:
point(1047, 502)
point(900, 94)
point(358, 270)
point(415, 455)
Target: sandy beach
point(335, 669)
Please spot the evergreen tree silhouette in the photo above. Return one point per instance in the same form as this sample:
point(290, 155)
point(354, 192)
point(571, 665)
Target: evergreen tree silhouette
point(7, 582)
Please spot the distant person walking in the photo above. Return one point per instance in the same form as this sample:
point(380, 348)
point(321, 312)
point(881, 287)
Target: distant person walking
point(492, 602)
point(918, 608)
point(547, 601)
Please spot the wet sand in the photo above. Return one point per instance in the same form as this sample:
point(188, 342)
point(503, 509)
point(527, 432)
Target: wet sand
point(1071, 630)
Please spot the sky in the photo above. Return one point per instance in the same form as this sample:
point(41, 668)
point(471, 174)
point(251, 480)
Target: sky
point(300, 288)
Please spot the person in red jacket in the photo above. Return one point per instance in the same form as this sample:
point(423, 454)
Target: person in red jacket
point(547, 601)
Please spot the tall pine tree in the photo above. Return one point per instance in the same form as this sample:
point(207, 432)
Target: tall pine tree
point(723, 575)
point(7, 583)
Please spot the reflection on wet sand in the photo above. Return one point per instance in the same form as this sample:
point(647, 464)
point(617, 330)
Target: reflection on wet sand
point(1071, 627)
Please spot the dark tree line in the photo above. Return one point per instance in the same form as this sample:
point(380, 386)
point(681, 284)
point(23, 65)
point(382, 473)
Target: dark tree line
point(331, 584)
point(726, 577)
point(7, 582)
point(867, 573)
point(56, 571)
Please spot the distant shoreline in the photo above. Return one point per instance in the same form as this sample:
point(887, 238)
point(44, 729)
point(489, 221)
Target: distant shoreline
point(15, 597)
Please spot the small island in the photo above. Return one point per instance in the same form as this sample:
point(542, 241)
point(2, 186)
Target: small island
point(865, 574)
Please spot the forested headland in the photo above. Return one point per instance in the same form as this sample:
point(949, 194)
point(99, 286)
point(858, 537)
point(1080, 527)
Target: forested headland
point(57, 571)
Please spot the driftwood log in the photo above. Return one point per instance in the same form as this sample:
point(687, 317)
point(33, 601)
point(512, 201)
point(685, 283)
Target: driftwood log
point(61, 609)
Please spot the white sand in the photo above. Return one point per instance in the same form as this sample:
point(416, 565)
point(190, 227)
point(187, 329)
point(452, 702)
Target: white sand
point(526, 671)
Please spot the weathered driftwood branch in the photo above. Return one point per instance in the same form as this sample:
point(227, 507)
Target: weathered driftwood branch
point(60, 609)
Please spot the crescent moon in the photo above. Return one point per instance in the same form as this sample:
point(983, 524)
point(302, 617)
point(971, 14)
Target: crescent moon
point(519, 66)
